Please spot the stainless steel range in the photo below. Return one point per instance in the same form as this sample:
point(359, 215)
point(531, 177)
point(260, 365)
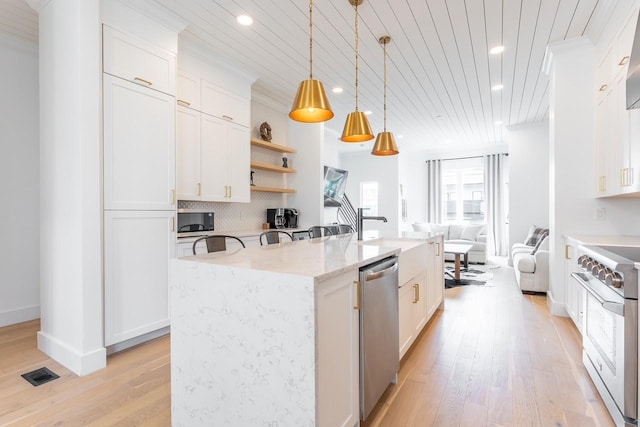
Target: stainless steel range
point(610, 336)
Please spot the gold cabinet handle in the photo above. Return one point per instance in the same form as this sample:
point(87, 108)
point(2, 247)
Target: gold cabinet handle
point(567, 254)
point(603, 88)
point(183, 103)
point(602, 183)
point(173, 223)
point(227, 118)
point(173, 197)
point(199, 189)
point(624, 60)
point(358, 294)
point(438, 249)
point(416, 293)
point(140, 80)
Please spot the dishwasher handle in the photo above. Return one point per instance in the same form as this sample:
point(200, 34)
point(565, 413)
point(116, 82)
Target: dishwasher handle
point(373, 275)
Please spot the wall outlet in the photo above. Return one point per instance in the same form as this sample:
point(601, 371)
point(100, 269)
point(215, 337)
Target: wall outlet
point(599, 214)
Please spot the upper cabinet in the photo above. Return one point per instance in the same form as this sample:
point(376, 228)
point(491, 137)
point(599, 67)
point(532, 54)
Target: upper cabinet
point(188, 91)
point(617, 129)
point(138, 61)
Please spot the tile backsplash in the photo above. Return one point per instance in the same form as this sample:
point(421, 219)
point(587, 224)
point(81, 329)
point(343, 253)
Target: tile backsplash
point(240, 216)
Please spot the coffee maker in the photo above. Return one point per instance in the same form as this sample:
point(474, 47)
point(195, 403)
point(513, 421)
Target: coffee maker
point(291, 218)
point(276, 218)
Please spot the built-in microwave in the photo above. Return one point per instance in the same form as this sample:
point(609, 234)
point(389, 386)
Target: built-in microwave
point(195, 222)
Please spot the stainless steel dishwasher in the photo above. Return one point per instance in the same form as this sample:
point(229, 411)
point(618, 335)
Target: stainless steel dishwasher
point(379, 347)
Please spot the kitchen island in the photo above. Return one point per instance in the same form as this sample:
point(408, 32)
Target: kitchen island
point(269, 335)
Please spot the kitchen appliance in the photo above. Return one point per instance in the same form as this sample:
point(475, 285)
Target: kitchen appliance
point(275, 218)
point(379, 340)
point(291, 218)
point(195, 222)
point(610, 331)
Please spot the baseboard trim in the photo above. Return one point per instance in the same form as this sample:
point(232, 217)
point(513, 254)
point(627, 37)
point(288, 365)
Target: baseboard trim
point(19, 315)
point(81, 364)
point(556, 308)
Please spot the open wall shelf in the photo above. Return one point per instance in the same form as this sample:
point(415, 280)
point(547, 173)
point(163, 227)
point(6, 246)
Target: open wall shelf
point(272, 189)
point(271, 146)
point(272, 168)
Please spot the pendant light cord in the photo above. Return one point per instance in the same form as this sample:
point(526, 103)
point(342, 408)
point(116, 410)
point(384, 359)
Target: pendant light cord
point(384, 45)
point(356, 26)
point(310, 39)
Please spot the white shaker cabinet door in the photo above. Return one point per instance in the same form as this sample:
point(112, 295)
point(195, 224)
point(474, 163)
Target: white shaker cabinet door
point(188, 165)
point(139, 147)
point(213, 159)
point(435, 277)
point(137, 249)
point(239, 159)
point(338, 354)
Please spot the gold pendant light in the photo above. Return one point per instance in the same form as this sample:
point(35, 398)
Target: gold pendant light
point(385, 142)
point(311, 104)
point(357, 127)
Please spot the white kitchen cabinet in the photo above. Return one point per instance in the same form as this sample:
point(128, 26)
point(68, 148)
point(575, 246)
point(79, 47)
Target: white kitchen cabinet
point(137, 248)
point(435, 276)
point(412, 311)
point(222, 103)
point(139, 147)
point(188, 91)
point(575, 292)
point(213, 158)
point(138, 61)
point(338, 357)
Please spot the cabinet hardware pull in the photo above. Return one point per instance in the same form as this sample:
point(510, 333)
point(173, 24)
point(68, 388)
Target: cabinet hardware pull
point(199, 189)
point(603, 88)
point(629, 176)
point(227, 118)
point(184, 103)
point(624, 60)
point(566, 252)
point(416, 293)
point(602, 183)
point(147, 82)
point(173, 197)
point(173, 223)
point(438, 249)
point(358, 294)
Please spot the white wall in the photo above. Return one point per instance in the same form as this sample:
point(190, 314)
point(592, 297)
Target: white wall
point(19, 183)
point(528, 179)
point(363, 167)
point(331, 158)
point(413, 179)
point(70, 185)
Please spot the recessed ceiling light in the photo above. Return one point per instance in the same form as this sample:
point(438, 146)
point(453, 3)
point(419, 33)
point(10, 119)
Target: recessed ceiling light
point(245, 20)
point(496, 50)
point(337, 90)
point(368, 112)
point(497, 87)
point(400, 136)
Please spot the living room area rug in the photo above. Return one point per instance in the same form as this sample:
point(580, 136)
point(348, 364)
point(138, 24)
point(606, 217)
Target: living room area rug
point(476, 274)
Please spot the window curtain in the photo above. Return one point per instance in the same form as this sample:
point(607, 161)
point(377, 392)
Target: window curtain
point(495, 175)
point(434, 191)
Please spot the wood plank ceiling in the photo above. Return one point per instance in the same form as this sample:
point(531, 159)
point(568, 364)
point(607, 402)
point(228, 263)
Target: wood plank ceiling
point(440, 72)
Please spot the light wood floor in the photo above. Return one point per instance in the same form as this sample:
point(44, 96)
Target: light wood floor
point(493, 358)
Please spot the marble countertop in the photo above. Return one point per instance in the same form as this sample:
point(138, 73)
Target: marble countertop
point(605, 240)
point(321, 258)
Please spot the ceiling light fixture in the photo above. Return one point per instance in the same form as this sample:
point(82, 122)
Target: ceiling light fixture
point(385, 143)
point(497, 87)
point(496, 50)
point(368, 113)
point(245, 20)
point(311, 104)
point(337, 90)
point(357, 127)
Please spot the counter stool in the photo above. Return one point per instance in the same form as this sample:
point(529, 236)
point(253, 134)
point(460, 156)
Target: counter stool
point(319, 231)
point(216, 243)
point(273, 236)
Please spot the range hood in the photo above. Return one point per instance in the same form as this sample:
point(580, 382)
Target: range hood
point(633, 74)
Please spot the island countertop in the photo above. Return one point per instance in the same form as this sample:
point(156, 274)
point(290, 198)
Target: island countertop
point(320, 258)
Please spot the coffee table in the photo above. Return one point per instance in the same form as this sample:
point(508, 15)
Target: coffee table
point(457, 250)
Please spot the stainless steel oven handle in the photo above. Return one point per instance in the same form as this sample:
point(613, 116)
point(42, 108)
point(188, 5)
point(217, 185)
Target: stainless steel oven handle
point(614, 307)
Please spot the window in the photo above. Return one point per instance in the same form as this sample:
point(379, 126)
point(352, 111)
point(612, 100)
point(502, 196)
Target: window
point(463, 191)
point(369, 197)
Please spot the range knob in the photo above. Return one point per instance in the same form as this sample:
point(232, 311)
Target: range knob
point(585, 261)
point(595, 268)
point(602, 273)
point(613, 279)
point(582, 258)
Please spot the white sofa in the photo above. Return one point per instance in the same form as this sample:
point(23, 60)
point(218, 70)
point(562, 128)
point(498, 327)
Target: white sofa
point(467, 234)
point(531, 265)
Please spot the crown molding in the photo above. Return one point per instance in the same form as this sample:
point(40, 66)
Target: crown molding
point(37, 5)
point(559, 47)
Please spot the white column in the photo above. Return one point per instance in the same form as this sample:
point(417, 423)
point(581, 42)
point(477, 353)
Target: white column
point(70, 184)
point(572, 203)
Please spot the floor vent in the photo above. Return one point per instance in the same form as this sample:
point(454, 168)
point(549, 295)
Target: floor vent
point(40, 376)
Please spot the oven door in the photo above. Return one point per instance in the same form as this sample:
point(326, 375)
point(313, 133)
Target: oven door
point(610, 344)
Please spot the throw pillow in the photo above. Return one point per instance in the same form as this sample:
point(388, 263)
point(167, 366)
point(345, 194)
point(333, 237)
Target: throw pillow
point(535, 234)
point(540, 242)
point(421, 226)
point(471, 232)
point(455, 231)
point(444, 229)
